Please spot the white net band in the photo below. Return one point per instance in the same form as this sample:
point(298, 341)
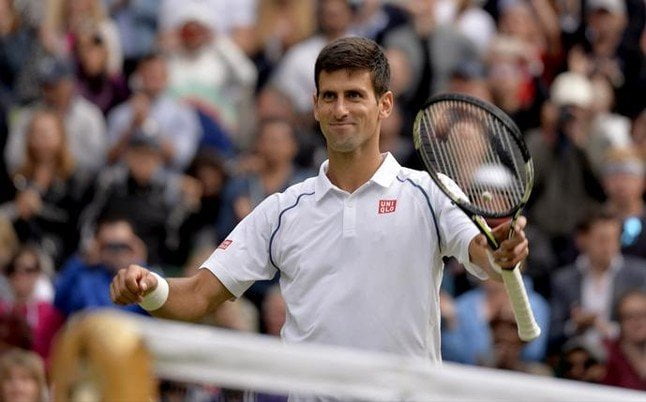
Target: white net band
point(206, 355)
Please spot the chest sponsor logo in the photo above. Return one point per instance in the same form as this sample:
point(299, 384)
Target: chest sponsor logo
point(387, 206)
point(225, 244)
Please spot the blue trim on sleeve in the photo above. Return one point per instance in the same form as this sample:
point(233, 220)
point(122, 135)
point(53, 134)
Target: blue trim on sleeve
point(428, 202)
point(280, 217)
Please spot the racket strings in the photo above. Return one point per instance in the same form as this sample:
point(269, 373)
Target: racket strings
point(474, 149)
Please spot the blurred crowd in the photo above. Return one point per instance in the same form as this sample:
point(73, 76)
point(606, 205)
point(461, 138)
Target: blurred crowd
point(142, 131)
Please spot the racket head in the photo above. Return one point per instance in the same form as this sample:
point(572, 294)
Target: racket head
point(475, 154)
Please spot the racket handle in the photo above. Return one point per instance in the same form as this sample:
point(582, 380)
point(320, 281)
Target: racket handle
point(528, 329)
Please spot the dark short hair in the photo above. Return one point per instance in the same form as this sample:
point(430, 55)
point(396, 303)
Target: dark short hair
point(355, 54)
point(595, 216)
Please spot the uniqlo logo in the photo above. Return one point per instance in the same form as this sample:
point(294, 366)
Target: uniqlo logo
point(225, 244)
point(387, 206)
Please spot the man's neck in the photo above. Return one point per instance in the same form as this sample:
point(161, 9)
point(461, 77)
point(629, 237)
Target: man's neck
point(598, 268)
point(349, 171)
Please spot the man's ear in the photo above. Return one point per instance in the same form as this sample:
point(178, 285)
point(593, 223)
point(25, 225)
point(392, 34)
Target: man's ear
point(386, 103)
point(315, 103)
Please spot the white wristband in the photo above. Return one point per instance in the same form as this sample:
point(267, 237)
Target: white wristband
point(155, 299)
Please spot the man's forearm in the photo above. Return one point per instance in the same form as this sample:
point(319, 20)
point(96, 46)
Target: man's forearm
point(187, 301)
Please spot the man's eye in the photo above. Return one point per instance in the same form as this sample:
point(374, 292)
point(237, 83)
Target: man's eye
point(354, 95)
point(328, 96)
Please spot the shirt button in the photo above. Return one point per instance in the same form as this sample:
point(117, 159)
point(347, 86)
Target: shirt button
point(350, 204)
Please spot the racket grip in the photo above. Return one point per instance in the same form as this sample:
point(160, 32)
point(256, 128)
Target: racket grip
point(528, 329)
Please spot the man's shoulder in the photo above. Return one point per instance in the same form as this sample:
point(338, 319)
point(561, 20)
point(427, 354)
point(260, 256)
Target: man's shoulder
point(566, 275)
point(417, 178)
point(634, 266)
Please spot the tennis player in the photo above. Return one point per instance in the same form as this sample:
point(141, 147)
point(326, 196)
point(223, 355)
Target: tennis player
point(359, 247)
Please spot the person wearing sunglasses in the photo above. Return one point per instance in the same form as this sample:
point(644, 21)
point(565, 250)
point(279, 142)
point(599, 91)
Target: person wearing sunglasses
point(84, 281)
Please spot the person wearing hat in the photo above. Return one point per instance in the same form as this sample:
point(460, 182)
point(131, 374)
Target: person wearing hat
point(84, 121)
point(566, 187)
point(212, 73)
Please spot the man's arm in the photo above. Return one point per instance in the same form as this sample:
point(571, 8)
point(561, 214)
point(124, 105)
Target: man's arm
point(189, 299)
point(511, 251)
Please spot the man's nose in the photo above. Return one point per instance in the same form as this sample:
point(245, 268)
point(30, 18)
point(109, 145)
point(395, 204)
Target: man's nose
point(340, 108)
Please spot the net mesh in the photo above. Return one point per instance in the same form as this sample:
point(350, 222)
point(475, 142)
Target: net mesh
point(474, 148)
point(198, 362)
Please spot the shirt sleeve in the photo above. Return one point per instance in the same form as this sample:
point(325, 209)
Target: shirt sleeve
point(243, 257)
point(457, 231)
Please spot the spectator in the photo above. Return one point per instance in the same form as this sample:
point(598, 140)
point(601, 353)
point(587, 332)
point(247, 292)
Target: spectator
point(271, 169)
point(433, 51)
point(94, 81)
point(43, 319)
point(507, 347)
point(65, 20)
point(374, 19)
point(608, 50)
point(22, 377)
point(514, 80)
point(565, 186)
point(470, 19)
point(49, 188)
point(154, 199)
point(581, 361)
point(84, 123)
point(215, 218)
point(626, 355)
point(136, 23)
point(271, 103)
point(84, 281)
point(19, 54)
point(152, 108)
point(468, 338)
point(294, 76)
point(281, 25)
point(235, 19)
point(623, 181)
point(535, 23)
point(586, 292)
point(210, 72)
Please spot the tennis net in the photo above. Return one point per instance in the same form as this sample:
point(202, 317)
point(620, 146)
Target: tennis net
point(125, 356)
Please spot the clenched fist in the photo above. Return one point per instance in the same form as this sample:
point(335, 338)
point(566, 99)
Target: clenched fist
point(131, 284)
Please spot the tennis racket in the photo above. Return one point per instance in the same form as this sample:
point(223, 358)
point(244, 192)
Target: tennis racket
point(476, 155)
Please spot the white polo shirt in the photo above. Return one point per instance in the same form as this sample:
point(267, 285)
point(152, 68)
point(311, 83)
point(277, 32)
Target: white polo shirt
point(359, 270)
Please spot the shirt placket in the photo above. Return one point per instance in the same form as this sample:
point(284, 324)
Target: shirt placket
point(349, 217)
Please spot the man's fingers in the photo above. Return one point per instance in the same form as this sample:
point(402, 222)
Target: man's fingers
point(147, 283)
point(512, 253)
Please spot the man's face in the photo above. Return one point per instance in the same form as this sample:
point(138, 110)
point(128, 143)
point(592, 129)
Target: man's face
point(335, 16)
point(154, 76)
point(59, 94)
point(143, 162)
point(601, 243)
point(348, 111)
point(632, 318)
point(116, 242)
point(276, 143)
point(624, 187)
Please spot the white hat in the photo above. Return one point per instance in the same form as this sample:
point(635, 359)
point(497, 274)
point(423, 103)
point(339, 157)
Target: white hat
point(612, 6)
point(572, 89)
point(196, 12)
